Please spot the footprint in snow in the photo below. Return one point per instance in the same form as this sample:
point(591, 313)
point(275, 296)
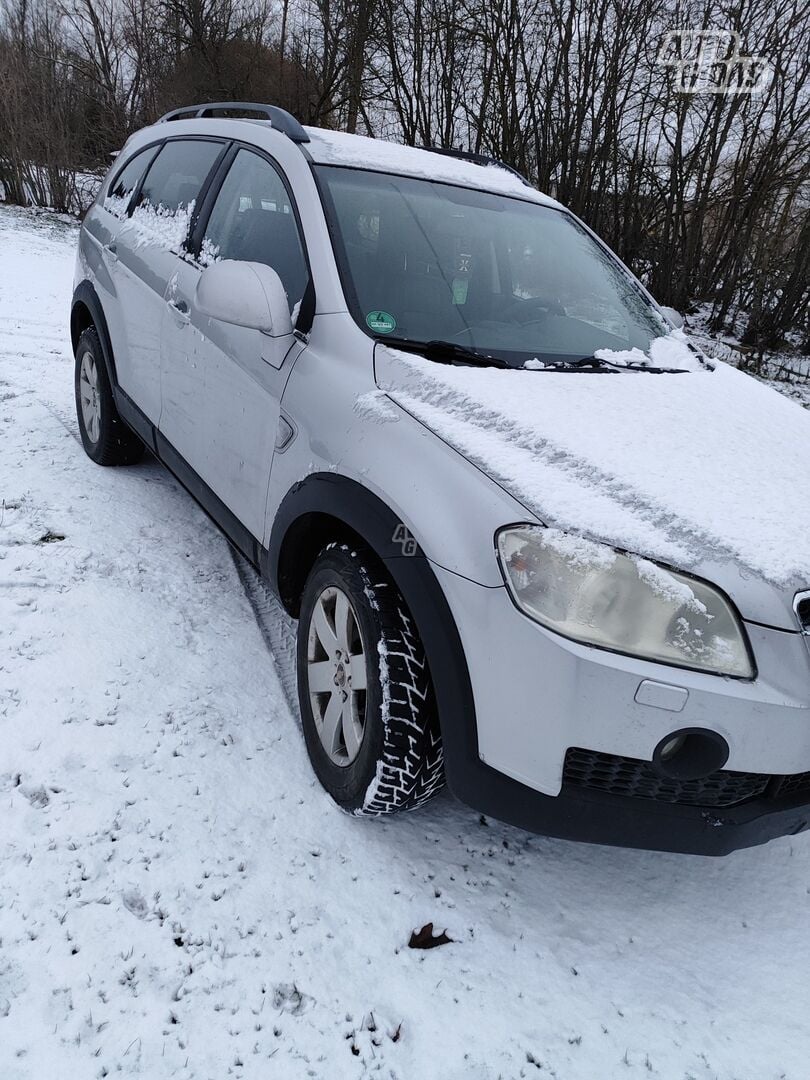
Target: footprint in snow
point(135, 903)
point(288, 998)
point(37, 796)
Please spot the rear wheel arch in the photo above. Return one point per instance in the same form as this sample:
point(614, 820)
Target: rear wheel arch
point(86, 311)
point(80, 319)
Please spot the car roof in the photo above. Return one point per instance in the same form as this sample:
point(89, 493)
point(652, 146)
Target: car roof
point(361, 152)
point(326, 147)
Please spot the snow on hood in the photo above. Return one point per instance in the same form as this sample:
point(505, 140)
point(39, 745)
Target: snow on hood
point(679, 468)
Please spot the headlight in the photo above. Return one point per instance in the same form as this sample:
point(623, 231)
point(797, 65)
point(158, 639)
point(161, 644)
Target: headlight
point(593, 594)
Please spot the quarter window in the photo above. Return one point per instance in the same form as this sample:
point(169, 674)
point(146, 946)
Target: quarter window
point(253, 221)
point(118, 197)
point(168, 195)
point(173, 182)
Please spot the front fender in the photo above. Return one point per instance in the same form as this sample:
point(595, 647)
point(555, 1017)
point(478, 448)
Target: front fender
point(370, 519)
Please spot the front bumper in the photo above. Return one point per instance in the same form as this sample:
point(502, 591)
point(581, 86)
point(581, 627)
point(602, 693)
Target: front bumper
point(537, 696)
point(600, 818)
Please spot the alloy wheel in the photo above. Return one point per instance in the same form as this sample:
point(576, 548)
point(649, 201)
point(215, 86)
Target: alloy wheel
point(90, 397)
point(337, 675)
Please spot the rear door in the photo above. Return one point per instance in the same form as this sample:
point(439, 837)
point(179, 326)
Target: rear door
point(147, 249)
point(222, 383)
point(103, 224)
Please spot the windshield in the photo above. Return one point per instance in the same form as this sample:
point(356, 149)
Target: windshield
point(430, 261)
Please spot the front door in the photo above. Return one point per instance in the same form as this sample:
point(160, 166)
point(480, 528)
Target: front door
point(222, 384)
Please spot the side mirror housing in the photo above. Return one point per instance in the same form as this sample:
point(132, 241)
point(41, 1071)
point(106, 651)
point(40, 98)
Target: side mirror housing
point(674, 317)
point(245, 294)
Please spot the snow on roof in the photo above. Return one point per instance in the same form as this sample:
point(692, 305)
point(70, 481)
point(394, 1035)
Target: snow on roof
point(680, 468)
point(361, 152)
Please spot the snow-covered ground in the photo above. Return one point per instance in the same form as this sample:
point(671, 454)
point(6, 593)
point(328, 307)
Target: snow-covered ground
point(178, 898)
point(789, 373)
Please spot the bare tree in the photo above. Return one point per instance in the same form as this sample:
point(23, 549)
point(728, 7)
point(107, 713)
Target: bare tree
point(706, 196)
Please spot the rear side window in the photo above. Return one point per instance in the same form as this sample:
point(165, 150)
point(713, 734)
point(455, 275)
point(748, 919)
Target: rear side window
point(178, 173)
point(170, 191)
point(253, 221)
point(120, 192)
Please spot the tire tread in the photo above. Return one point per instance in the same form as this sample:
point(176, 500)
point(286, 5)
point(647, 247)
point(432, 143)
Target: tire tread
point(411, 769)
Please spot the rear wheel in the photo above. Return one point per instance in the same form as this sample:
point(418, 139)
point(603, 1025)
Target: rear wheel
point(105, 437)
point(367, 703)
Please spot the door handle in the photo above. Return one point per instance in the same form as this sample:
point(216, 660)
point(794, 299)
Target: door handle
point(111, 250)
point(179, 308)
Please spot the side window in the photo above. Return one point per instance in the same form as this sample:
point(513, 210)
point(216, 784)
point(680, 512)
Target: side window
point(120, 192)
point(253, 221)
point(166, 200)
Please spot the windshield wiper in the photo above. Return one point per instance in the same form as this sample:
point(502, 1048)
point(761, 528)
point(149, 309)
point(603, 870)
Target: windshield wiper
point(449, 352)
point(596, 363)
point(446, 352)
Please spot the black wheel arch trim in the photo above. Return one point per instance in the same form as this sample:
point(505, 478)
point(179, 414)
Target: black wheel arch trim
point(85, 294)
point(341, 498)
point(375, 523)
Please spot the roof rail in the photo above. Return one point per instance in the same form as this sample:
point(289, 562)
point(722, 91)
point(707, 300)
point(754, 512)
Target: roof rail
point(477, 159)
point(279, 118)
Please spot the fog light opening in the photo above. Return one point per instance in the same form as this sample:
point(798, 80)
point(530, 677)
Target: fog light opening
point(671, 747)
point(690, 754)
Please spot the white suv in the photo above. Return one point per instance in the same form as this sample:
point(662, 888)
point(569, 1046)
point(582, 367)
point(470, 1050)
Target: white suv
point(535, 540)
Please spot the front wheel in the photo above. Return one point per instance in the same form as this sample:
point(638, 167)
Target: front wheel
point(367, 703)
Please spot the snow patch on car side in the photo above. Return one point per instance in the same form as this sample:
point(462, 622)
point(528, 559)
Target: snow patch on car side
point(376, 407)
point(159, 226)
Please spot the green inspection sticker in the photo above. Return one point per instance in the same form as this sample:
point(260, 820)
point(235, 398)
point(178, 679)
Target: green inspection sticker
point(381, 322)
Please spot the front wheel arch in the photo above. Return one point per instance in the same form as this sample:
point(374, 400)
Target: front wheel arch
point(326, 507)
point(326, 501)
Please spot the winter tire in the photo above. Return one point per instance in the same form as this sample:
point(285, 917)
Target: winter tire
point(367, 702)
point(105, 437)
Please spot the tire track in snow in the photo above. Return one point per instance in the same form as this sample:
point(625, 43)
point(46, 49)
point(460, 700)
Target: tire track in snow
point(70, 426)
point(276, 626)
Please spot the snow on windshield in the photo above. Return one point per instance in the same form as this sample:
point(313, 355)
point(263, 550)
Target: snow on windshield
point(679, 468)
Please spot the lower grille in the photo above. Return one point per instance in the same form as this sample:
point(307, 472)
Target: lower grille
point(792, 785)
point(633, 777)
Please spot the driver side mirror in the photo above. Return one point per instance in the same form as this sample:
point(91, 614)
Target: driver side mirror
point(245, 294)
point(673, 316)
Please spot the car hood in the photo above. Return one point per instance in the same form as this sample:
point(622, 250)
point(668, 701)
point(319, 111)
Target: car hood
point(688, 469)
